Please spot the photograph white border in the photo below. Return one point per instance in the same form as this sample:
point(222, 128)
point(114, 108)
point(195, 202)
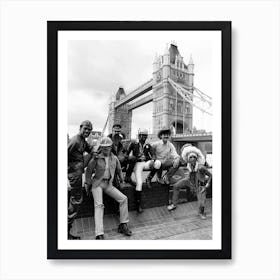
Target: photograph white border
point(63, 37)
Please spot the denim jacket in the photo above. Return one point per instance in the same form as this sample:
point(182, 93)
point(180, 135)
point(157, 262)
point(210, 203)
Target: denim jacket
point(97, 167)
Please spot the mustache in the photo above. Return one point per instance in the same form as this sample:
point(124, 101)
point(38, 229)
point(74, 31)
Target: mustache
point(117, 137)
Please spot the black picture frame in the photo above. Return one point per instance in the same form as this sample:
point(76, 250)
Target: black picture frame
point(53, 27)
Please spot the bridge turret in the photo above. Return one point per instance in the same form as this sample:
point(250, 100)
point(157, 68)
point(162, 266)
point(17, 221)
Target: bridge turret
point(155, 63)
point(191, 71)
point(166, 63)
point(191, 65)
point(120, 94)
point(156, 67)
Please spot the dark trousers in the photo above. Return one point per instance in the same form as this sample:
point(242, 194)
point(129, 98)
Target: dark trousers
point(75, 195)
point(131, 164)
point(195, 187)
point(167, 165)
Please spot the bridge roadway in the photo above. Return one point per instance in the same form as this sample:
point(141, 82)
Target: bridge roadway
point(136, 93)
point(199, 137)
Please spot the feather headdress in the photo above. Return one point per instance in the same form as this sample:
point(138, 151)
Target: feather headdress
point(187, 149)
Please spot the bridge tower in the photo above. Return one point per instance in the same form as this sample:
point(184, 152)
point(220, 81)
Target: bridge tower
point(120, 115)
point(169, 108)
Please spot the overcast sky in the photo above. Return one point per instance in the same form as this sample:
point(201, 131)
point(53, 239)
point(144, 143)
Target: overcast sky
point(96, 69)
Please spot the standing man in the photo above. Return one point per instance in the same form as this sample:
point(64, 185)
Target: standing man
point(105, 166)
point(76, 164)
point(120, 152)
point(166, 153)
point(117, 148)
point(140, 156)
point(198, 179)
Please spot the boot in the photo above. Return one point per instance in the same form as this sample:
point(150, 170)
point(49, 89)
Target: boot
point(148, 182)
point(123, 228)
point(101, 237)
point(138, 195)
point(128, 180)
point(70, 236)
point(201, 213)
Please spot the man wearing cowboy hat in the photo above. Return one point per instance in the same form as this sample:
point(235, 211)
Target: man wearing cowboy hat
point(104, 167)
point(166, 153)
point(77, 145)
point(198, 179)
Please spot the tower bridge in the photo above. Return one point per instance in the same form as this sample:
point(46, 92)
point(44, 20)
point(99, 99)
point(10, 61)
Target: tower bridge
point(174, 97)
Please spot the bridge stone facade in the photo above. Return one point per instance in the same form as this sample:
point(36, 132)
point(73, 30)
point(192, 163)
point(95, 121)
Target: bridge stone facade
point(169, 108)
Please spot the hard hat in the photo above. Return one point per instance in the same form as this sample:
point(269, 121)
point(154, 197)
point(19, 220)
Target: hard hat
point(106, 142)
point(143, 132)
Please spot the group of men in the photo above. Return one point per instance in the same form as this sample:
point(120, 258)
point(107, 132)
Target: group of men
point(104, 172)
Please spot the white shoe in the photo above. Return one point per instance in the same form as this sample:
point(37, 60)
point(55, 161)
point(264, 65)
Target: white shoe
point(203, 216)
point(171, 207)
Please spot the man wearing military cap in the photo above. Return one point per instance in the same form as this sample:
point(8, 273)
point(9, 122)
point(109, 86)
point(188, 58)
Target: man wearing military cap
point(77, 145)
point(166, 153)
point(104, 167)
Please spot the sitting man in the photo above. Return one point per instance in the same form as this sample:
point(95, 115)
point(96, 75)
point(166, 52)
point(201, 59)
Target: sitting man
point(198, 179)
point(166, 153)
point(140, 157)
point(104, 166)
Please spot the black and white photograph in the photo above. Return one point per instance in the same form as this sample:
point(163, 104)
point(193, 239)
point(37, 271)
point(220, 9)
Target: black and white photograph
point(139, 140)
point(141, 165)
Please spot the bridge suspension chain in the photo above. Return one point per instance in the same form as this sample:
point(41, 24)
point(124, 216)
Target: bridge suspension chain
point(189, 97)
point(105, 125)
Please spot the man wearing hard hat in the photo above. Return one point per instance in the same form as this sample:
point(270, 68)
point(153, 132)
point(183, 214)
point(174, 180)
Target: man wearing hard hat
point(104, 167)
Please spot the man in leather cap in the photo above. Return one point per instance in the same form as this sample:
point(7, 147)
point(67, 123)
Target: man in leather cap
point(77, 145)
point(105, 166)
point(117, 148)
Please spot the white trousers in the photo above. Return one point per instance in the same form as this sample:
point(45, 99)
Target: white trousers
point(138, 170)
